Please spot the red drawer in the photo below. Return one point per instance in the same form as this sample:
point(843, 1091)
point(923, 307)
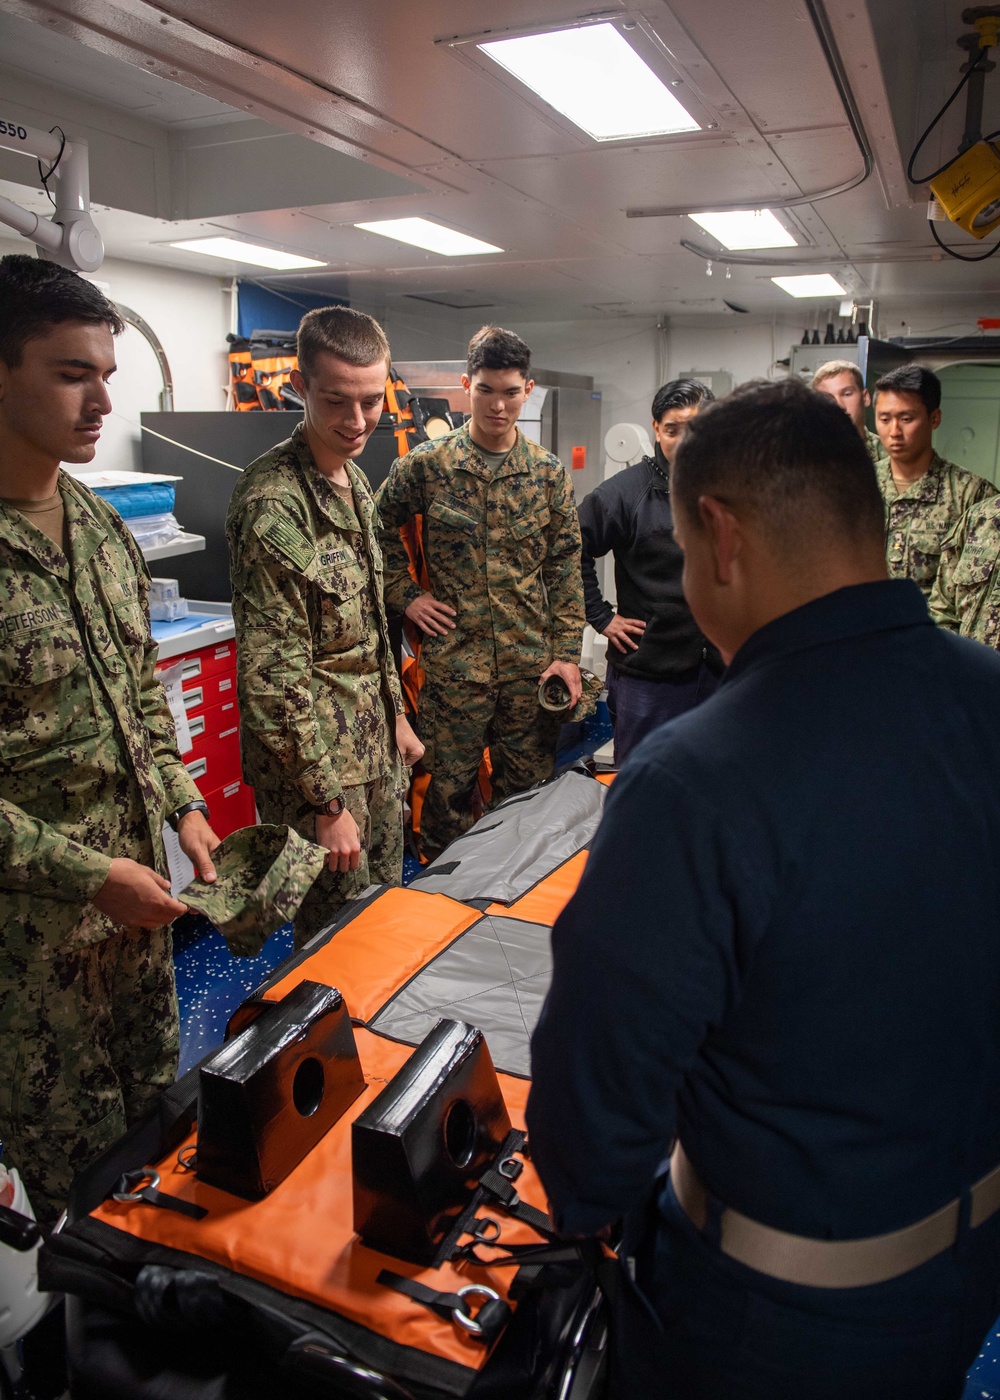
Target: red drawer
point(209, 770)
point(208, 676)
point(231, 807)
point(205, 662)
point(214, 756)
point(201, 693)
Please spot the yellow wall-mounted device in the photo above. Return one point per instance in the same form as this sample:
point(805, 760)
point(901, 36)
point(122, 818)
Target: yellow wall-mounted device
point(969, 190)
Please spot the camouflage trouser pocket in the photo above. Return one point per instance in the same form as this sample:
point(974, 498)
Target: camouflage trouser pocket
point(20, 1020)
point(55, 1027)
point(60, 1100)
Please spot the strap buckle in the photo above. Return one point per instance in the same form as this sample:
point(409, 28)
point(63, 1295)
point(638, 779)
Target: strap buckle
point(485, 1230)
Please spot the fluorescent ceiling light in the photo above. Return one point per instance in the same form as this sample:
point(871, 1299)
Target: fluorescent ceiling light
point(816, 284)
point(421, 233)
point(746, 228)
point(595, 77)
point(236, 251)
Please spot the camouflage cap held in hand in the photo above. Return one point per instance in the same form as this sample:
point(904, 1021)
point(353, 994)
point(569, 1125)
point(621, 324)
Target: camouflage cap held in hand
point(264, 873)
point(587, 704)
point(553, 695)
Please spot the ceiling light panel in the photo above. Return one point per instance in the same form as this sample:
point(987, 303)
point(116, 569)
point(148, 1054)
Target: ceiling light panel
point(422, 233)
point(595, 77)
point(817, 284)
point(746, 228)
point(254, 254)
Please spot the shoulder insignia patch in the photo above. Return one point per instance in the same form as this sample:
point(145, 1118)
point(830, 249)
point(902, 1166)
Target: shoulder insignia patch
point(286, 539)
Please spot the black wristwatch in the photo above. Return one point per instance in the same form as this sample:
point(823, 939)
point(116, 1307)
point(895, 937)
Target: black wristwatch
point(333, 808)
point(174, 819)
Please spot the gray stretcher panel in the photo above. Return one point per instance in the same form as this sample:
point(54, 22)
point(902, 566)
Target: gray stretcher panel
point(511, 848)
point(495, 975)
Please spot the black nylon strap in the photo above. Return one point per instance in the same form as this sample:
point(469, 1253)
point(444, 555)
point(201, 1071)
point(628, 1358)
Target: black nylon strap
point(488, 1323)
point(128, 1182)
point(520, 1254)
point(500, 1187)
point(444, 1304)
point(153, 1197)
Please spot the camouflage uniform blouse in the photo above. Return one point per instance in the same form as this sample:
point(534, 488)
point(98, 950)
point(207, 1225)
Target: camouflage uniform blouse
point(966, 596)
point(318, 690)
point(502, 548)
point(919, 520)
point(874, 444)
point(88, 759)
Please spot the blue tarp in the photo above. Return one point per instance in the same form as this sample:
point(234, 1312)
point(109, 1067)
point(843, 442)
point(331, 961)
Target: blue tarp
point(262, 309)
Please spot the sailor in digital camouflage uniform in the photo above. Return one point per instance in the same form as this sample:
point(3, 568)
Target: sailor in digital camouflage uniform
point(88, 761)
point(925, 496)
point(501, 539)
point(322, 726)
point(966, 596)
point(842, 381)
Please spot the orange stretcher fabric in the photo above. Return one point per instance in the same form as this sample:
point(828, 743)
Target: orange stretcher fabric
point(379, 951)
point(606, 778)
point(300, 1239)
point(548, 899)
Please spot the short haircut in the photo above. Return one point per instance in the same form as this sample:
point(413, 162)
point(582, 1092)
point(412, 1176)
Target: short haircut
point(353, 336)
point(912, 379)
point(786, 455)
point(833, 368)
point(36, 296)
point(680, 393)
point(494, 348)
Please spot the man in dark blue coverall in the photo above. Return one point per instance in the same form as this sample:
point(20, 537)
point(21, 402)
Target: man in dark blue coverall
point(785, 954)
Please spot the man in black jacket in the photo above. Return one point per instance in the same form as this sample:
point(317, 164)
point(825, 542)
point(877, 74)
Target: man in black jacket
point(797, 959)
point(659, 663)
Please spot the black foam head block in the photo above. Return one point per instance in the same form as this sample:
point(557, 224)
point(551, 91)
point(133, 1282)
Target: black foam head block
point(267, 1096)
point(421, 1147)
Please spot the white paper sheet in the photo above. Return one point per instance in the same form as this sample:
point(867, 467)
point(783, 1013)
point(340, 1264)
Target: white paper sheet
point(171, 680)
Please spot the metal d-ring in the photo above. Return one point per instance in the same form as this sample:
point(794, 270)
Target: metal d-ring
point(465, 1320)
point(133, 1180)
point(187, 1157)
point(486, 1230)
point(510, 1168)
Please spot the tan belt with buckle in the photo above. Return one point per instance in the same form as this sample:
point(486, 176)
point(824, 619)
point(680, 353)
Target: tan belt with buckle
point(830, 1263)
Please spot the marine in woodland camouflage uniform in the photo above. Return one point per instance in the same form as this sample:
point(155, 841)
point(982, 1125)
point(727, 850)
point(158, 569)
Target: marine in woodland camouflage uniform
point(503, 549)
point(919, 519)
point(318, 689)
point(88, 770)
point(966, 596)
